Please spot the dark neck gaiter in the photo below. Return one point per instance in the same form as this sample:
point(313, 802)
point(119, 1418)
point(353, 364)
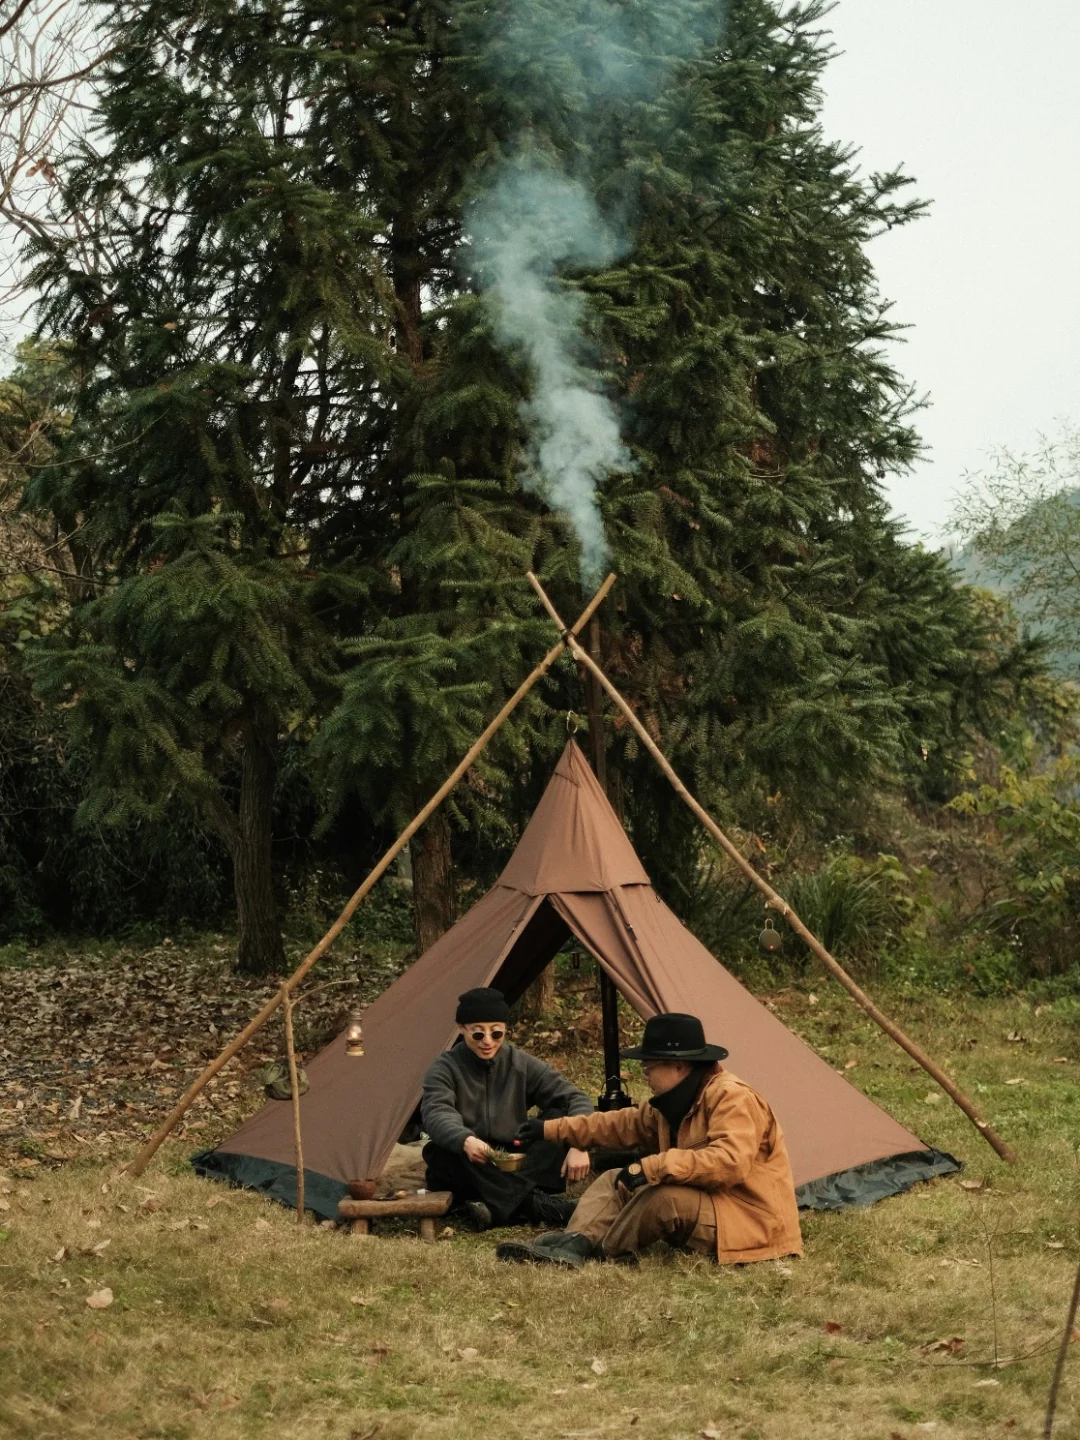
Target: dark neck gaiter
point(675, 1104)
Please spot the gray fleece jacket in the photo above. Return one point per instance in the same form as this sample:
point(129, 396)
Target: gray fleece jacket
point(464, 1095)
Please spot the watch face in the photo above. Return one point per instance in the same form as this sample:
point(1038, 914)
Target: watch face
point(635, 1169)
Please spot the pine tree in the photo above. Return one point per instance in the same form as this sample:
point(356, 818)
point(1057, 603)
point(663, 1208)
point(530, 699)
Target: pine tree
point(222, 331)
point(304, 504)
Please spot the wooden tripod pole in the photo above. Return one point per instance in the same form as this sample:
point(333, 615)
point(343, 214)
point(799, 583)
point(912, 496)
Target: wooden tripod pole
point(775, 901)
point(1063, 1355)
point(294, 1091)
point(146, 1154)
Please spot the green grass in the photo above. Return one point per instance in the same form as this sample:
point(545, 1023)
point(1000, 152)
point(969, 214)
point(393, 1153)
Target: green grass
point(231, 1321)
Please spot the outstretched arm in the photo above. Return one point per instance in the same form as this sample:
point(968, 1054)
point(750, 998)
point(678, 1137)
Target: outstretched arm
point(626, 1128)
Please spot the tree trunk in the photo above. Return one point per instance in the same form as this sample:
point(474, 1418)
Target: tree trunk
point(540, 996)
point(260, 950)
point(433, 888)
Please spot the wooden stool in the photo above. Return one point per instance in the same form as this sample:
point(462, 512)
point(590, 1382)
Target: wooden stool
point(425, 1208)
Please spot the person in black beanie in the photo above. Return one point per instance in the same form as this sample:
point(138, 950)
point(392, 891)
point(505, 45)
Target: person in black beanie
point(476, 1096)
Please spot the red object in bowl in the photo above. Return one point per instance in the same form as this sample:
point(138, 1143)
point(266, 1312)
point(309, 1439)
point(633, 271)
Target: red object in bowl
point(361, 1189)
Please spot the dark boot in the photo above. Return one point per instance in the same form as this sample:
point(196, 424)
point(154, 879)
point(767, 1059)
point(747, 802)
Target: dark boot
point(553, 1210)
point(562, 1247)
point(473, 1215)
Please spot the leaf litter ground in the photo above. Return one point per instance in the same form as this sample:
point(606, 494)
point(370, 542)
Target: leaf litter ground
point(167, 1306)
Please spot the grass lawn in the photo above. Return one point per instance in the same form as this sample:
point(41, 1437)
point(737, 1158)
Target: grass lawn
point(229, 1320)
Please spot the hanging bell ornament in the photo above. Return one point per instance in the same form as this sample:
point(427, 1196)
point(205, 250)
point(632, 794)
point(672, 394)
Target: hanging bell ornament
point(770, 938)
point(354, 1034)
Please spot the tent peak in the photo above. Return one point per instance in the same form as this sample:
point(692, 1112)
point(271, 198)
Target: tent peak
point(574, 841)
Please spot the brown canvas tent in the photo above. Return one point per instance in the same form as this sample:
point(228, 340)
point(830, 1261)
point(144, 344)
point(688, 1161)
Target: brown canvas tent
point(574, 872)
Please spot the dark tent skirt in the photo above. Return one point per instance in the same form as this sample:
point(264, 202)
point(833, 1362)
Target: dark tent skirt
point(847, 1190)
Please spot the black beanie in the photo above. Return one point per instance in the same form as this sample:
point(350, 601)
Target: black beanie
point(482, 1006)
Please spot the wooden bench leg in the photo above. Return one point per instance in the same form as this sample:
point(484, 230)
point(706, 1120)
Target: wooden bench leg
point(427, 1228)
point(361, 1227)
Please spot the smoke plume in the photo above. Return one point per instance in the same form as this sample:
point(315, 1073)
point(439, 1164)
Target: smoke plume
point(576, 63)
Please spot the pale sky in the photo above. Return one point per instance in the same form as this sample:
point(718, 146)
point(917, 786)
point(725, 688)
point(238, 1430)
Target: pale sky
point(979, 100)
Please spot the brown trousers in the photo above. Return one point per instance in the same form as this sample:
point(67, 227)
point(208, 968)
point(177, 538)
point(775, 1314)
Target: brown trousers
point(679, 1214)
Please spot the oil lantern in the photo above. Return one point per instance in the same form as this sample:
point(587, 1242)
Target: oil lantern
point(354, 1034)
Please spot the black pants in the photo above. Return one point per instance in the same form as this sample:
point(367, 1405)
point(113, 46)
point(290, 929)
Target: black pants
point(503, 1192)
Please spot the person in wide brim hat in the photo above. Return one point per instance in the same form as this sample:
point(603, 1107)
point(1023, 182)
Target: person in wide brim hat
point(714, 1176)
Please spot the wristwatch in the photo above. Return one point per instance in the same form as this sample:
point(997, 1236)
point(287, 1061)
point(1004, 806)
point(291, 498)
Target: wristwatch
point(632, 1177)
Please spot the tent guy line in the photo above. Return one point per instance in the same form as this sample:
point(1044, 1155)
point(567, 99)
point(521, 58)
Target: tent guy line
point(775, 901)
point(146, 1154)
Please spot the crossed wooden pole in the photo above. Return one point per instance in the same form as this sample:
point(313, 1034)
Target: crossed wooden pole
point(772, 899)
point(180, 1109)
point(568, 641)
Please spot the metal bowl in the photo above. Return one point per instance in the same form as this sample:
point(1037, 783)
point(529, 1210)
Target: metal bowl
point(510, 1162)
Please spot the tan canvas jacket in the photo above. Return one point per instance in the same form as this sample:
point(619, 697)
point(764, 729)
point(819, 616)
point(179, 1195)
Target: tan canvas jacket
point(730, 1144)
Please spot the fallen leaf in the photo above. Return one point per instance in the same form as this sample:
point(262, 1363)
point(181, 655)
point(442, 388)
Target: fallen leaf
point(100, 1248)
point(100, 1299)
point(1055, 1244)
point(1015, 1038)
point(811, 999)
point(710, 1433)
point(262, 1224)
point(558, 1392)
point(950, 1346)
point(468, 1353)
point(598, 1367)
point(983, 1383)
point(4, 1205)
point(833, 1327)
point(61, 1254)
point(850, 1064)
point(277, 1304)
point(150, 1203)
point(363, 1300)
point(230, 1402)
point(1016, 1080)
point(1060, 1060)
point(971, 1184)
point(446, 1233)
point(76, 1109)
point(215, 1200)
point(935, 1097)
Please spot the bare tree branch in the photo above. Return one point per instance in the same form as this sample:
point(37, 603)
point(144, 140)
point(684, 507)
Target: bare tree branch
point(52, 48)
